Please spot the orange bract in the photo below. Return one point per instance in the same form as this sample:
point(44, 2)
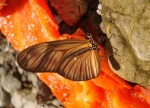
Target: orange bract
point(25, 23)
point(28, 22)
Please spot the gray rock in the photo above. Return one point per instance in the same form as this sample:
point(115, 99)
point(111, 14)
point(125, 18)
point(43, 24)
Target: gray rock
point(23, 99)
point(10, 83)
point(127, 23)
point(18, 88)
point(4, 98)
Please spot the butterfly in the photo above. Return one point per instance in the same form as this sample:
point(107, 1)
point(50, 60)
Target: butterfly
point(74, 59)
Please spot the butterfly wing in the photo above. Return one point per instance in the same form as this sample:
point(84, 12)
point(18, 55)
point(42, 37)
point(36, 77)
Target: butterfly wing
point(81, 65)
point(58, 56)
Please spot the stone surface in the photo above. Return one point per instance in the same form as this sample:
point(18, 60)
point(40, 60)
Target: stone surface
point(4, 97)
point(70, 10)
point(10, 83)
point(23, 99)
point(18, 88)
point(126, 23)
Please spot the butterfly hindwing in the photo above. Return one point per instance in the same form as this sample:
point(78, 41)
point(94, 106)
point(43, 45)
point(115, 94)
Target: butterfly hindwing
point(81, 66)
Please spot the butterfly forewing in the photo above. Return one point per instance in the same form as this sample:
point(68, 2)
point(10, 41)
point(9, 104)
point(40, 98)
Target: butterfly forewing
point(71, 58)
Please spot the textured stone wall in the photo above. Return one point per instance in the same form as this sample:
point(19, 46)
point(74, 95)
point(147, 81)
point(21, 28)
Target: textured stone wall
point(127, 24)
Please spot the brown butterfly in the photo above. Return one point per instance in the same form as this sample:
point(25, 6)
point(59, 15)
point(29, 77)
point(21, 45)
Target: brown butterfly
point(74, 59)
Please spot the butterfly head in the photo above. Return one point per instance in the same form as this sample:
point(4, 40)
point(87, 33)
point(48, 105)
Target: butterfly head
point(94, 44)
point(88, 36)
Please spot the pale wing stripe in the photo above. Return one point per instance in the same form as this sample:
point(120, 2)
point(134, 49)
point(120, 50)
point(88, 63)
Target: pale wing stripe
point(68, 61)
point(79, 70)
point(29, 59)
point(71, 71)
point(88, 68)
point(54, 60)
point(97, 64)
point(35, 61)
point(76, 72)
point(84, 67)
point(46, 62)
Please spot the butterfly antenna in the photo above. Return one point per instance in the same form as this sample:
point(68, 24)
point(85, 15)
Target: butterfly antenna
point(112, 36)
point(115, 52)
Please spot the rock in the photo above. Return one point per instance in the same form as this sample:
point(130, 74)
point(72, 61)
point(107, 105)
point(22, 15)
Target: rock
point(70, 10)
point(127, 25)
point(23, 99)
point(10, 84)
point(55, 102)
point(4, 97)
point(18, 88)
point(33, 78)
